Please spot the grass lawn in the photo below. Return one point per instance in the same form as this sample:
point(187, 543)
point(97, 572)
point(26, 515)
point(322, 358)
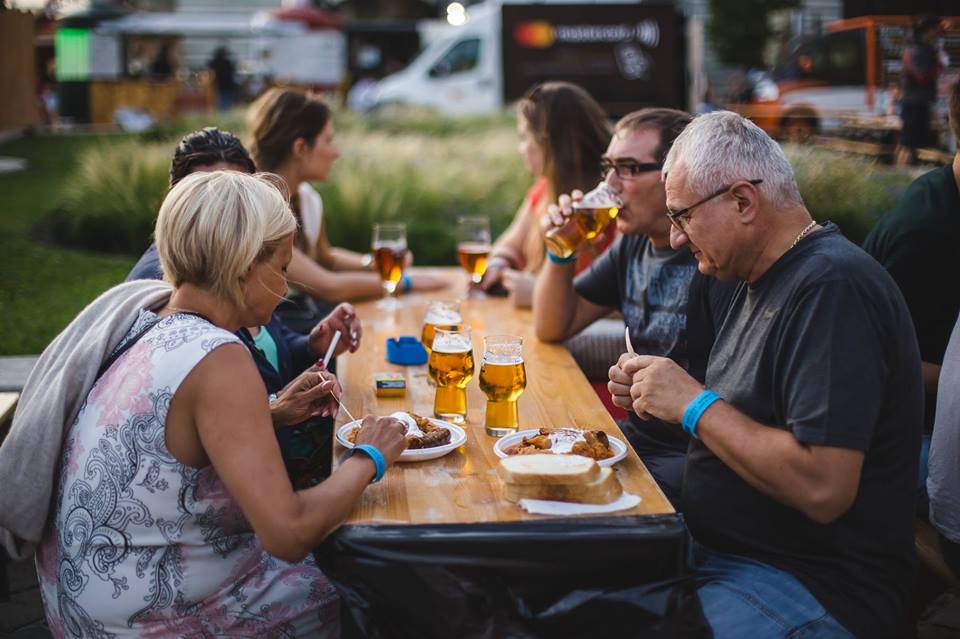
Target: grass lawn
point(43, 287)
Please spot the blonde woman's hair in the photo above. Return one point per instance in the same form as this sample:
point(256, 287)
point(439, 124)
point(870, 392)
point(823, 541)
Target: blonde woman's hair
point(213, 226)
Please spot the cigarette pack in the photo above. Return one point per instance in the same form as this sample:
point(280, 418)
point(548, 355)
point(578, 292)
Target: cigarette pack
point(390, 384)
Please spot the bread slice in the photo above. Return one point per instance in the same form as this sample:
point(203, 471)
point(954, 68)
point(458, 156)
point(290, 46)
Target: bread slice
point(603, 490)
point(547, 468)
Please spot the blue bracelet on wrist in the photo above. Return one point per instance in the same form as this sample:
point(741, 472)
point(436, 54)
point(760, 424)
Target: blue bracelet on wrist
point(556, 259)
point(405, 283)
point(378, 461)
point(696, 408)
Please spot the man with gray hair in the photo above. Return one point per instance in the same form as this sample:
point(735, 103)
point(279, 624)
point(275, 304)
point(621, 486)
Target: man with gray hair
point(799, 487)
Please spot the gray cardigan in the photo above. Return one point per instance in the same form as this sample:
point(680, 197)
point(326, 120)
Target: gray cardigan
point(51, 399)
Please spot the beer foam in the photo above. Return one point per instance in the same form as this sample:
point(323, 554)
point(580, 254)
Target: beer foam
point(497, 359)
point(442, 317)
point(451, 344)
point(474, 247)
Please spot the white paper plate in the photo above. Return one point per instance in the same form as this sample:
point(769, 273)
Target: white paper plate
point(457, 437)
point(619, 448)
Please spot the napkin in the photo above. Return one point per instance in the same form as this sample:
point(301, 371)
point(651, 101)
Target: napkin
point(564, 508)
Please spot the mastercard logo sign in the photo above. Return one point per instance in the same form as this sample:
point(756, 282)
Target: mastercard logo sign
point(534, 35)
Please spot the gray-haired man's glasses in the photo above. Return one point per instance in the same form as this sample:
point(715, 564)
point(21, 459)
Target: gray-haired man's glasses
point(677, 217)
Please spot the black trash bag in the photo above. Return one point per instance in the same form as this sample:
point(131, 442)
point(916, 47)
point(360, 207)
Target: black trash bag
point(550, 578)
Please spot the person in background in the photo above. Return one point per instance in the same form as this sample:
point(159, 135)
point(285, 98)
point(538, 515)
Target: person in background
point(292, 135)
point(800, 480)
point(562, 133)
point(162, 66)
point(172, 513)
point(918, 89)
point(669, 308)
point(915, 243)
point(225, 77)
point(284, 358)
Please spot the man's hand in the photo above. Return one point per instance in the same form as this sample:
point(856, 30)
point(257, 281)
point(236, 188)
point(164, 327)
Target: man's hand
point(314, 393)
point(559, 213)
point(344, 319)
point(660, 387)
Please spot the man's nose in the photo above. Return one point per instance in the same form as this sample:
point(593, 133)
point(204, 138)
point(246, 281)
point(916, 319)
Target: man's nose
point(678, 239)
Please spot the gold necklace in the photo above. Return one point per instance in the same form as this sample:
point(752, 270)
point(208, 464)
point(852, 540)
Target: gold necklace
point(803, 233)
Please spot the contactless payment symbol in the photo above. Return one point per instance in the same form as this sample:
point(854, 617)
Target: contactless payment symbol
point(535, 34)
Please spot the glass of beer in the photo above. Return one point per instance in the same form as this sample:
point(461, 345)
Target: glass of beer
point(442, 314)
point(389, 254)
point(451, 366)
point(502, 378)
point(590, 217)
point(473, 248)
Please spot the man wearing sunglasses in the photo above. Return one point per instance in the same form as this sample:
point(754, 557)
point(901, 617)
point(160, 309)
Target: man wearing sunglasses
point(799, 485)
point(669, 308)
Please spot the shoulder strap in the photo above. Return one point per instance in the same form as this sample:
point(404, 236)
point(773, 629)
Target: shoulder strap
point(126, 346)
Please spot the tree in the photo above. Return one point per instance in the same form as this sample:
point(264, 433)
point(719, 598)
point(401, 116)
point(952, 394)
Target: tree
point(739, 30)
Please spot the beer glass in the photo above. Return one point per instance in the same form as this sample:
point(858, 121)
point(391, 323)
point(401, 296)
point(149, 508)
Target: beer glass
point(389, 254)
point(473, 248)
point(442, 314)
point(590, 217)
point(502, 379)
point(451, 366)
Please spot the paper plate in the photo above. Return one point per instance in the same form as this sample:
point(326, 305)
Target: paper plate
point(618, 447)
point(457, 438)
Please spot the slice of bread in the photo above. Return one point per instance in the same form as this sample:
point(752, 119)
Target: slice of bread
point(603, 490)
point(547, 469)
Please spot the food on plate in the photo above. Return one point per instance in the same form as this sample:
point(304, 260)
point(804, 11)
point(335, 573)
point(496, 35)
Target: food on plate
point(421, 432)
point(558, 478)
point(566, 441)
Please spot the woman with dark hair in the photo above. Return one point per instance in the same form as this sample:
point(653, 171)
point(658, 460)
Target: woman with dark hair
point(292, 135)
point(283, 357)
point(563, 133)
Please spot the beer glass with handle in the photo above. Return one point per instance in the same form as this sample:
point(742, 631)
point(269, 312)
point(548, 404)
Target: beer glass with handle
point(389, 254)
point(590, 217)
point(502, 378)
point(473, 248)
point(451, 366)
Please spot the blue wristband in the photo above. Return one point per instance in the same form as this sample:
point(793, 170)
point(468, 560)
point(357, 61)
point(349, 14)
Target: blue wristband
point(378, 461)
point(695, 409)
point(405, 283)
point(556, 259)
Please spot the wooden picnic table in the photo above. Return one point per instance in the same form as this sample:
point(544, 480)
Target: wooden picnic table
point(462, 487)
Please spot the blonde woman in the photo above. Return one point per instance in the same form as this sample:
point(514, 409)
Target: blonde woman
point(173, 513)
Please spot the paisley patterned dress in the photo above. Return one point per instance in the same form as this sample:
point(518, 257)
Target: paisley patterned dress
point(141, 545)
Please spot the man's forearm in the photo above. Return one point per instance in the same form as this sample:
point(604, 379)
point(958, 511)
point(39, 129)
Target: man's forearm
point(554, 301)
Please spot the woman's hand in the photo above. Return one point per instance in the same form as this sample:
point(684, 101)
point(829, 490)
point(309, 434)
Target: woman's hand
point(520, 284)
point(427, 282)
point(344, 319)
point(387, 434)
point(496, 267)
point(313, 393)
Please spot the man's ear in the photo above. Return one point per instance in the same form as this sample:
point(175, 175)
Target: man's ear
point(747, 197)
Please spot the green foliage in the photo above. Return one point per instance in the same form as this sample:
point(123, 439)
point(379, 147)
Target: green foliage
point(738, 30)
point(851, 191)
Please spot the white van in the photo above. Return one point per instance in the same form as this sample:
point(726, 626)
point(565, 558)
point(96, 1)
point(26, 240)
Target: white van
point(626, 54)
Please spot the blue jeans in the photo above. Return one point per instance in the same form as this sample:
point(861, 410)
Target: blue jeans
point(741, 597)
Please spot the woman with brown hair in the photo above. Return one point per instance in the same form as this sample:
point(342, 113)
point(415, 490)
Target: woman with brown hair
point(292, 135)
point(563, 133)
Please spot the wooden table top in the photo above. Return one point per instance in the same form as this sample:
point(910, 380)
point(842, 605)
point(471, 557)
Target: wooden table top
point(462, 487)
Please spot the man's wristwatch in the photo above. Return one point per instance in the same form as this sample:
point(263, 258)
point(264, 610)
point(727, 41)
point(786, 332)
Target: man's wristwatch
point(366, 261)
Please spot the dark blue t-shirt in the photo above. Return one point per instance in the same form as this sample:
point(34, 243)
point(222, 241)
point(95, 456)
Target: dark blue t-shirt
point(821, 346)
point(671, 309)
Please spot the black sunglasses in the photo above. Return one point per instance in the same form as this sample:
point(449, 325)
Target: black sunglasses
point(677, 216)
point(627, 169)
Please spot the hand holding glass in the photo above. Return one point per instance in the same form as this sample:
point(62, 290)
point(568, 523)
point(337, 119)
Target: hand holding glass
point(590, 217)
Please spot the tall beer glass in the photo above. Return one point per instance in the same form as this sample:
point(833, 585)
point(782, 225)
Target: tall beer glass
point(590, 217)
point(473, 248)
point(451, 366)
point(389, 254)
point(502, 379)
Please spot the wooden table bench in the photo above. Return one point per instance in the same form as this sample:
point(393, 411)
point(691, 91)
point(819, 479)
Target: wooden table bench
point(441, 530)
